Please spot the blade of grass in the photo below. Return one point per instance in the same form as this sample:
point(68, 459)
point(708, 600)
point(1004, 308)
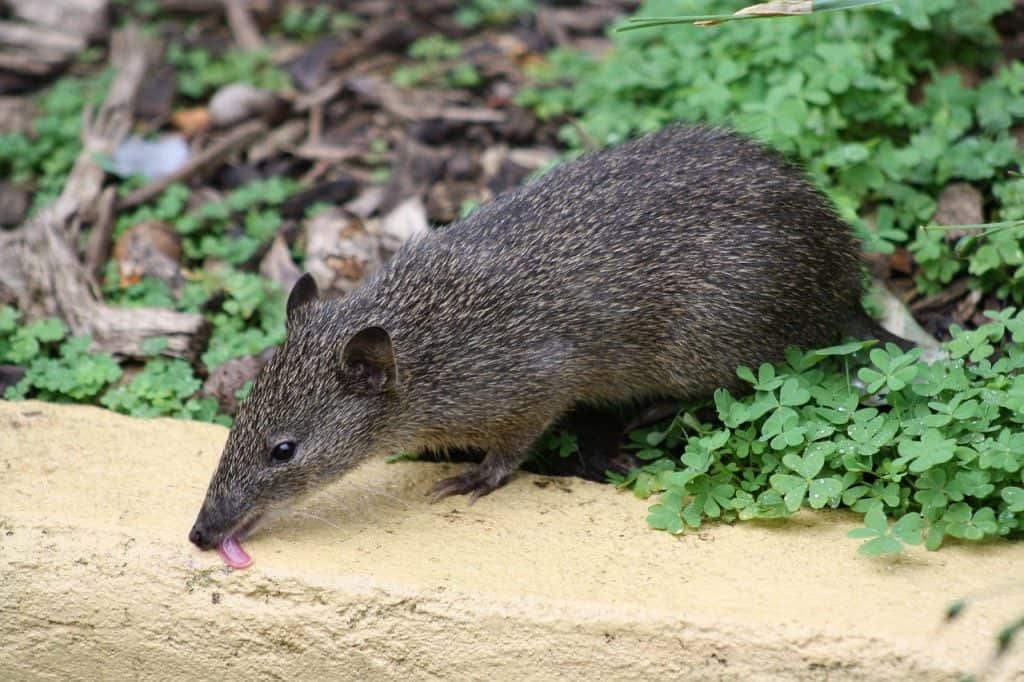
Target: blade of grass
point(988, 227)
point(759, 11)
point(831, 5)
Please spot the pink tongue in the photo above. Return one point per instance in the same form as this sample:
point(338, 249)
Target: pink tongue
point(231, 552)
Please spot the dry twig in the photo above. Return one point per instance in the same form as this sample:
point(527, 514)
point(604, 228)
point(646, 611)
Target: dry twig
point(242, 26)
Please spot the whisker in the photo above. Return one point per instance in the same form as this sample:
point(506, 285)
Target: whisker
point(370, 493)
point(299, 512)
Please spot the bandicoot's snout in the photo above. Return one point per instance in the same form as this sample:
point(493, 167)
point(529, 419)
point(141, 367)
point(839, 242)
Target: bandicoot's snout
point(209, 528)
point(213, 525)
point(201, 537)
point(218, 522)
point(212, 531)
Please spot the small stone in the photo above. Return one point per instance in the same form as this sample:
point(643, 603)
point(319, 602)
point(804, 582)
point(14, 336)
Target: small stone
point(237, 102)
point(151, 158)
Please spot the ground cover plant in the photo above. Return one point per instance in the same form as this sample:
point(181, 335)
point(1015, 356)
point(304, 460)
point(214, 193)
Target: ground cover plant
point(936, 447)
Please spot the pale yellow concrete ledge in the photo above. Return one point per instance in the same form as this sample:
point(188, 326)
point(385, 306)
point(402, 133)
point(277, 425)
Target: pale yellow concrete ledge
point(544, 579)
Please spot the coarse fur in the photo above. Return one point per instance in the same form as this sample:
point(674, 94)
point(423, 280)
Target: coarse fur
point(651, 269)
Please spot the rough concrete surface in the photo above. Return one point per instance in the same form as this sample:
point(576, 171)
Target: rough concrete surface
point(545, 579)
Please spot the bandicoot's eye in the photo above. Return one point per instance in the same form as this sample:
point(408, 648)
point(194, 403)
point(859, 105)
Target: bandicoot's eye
point(283, 451)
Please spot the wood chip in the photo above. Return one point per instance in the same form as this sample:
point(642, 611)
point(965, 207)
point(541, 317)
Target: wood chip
point(85, 18)
point(404, 222)
point(36, 50)
point(326, 152)
point(149, 249)
point(192, 121)
point(226, 380)
point(952, 292)
point(279, 139)
point(340, 251)
point(897, 318)
point(967, 307)
point(100, 236)
point(415, 169)
point(277, 265)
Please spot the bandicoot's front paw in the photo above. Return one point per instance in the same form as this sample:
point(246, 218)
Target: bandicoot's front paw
point(475, 483)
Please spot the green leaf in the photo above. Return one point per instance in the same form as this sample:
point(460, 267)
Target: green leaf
point(935, 536)
point(881, 545)
point(662, 517)
point(792, 394)
point(1014, 497)
point(909, 528)
point(843, 349)
point(824, 491)
point(794, 499)
point(930, 450)
point(812, 463)
point(874, 380)
point(880, 358)
point(745, 374)
point(876, 521)
point(153, 346)
point(8, 319)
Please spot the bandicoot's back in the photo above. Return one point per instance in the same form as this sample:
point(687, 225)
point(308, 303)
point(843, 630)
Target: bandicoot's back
point(661, 264)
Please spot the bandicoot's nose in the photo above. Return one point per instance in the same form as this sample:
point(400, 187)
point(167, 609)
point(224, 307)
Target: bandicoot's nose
point(200, 537)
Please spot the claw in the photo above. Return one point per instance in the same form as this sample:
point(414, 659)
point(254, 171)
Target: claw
point(474, 483)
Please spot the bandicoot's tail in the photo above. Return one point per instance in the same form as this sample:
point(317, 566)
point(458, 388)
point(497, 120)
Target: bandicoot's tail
point(863, 326)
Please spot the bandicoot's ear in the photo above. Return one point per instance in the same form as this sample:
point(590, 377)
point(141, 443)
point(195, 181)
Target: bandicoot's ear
point(368, 361)
point(304, 291)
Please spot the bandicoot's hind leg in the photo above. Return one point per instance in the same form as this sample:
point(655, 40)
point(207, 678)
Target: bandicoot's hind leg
point(503, 457)
point(477, 481)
